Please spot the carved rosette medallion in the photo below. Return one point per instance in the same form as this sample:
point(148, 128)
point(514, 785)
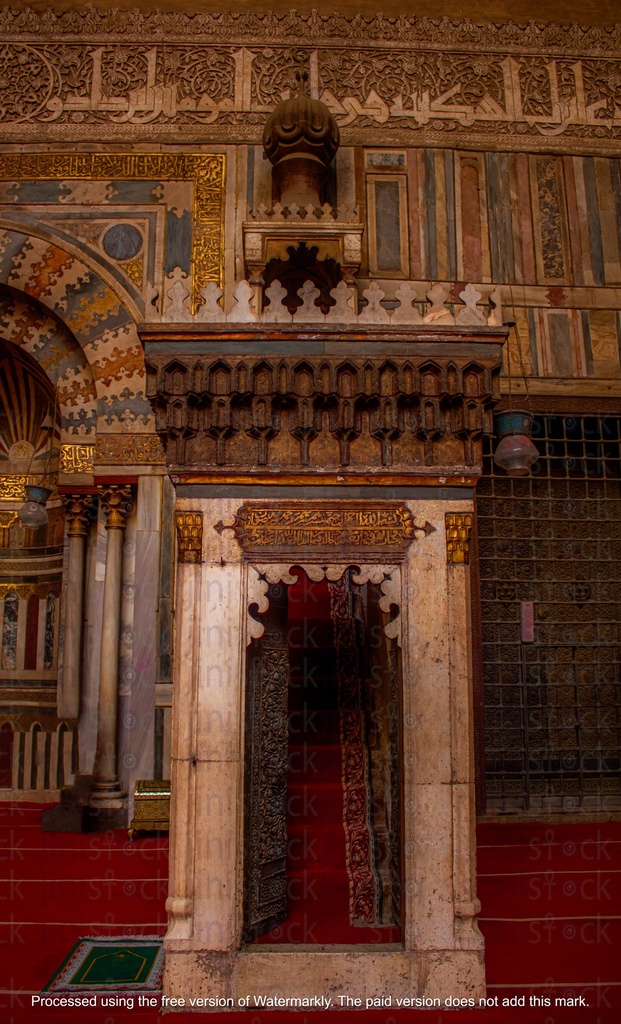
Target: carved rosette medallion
point(80, 509)
point(189, 537)
point(458, 531)
point(324, 526)
point(117, 501)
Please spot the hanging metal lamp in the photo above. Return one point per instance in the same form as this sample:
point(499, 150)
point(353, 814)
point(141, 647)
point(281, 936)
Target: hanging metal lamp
point(515, 453)
point(33, 512)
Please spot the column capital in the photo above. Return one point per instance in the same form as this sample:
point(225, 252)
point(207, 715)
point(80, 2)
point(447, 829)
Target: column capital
point(79, 510)
point(189, 536)
point(458, 534)
point(117, 501)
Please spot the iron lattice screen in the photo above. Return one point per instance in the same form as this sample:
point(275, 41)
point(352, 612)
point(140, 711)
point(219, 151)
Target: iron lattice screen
point(553, 705)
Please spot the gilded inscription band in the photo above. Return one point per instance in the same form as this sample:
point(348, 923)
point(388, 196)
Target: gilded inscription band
point(388, 526)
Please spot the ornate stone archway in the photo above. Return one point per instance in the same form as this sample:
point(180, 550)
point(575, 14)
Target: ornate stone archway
point(81, 331)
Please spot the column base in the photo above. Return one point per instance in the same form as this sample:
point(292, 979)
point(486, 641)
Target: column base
point(108, 807)
point(72, 813)
point(107, 795)
point(80, 811)
point(101, 819)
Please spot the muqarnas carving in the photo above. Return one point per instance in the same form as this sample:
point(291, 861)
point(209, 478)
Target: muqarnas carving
point(353, 414)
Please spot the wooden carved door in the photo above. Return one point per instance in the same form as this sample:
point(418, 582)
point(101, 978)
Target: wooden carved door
point(265, 845)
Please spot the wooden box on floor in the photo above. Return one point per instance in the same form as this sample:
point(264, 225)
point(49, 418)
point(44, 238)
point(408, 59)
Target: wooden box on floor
point(151, 806)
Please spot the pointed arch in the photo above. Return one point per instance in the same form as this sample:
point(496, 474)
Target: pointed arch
point(71, 319)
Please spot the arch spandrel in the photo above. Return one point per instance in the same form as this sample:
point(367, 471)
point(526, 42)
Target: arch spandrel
point(27, 324)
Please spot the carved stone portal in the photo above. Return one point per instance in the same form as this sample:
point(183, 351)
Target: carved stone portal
point(228, 876)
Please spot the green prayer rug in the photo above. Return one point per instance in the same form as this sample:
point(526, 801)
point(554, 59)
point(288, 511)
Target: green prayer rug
point(115, 964)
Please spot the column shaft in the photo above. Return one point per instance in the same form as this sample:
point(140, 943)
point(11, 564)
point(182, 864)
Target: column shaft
point(79, 511)
point(117, 503)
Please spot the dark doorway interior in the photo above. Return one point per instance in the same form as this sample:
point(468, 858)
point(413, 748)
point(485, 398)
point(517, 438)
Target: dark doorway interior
point(342, 862)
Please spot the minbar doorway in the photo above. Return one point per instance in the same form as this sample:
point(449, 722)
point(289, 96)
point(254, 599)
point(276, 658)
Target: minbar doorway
point(323, 783)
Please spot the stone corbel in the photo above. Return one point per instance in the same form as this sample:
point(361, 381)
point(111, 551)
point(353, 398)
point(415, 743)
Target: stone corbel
point(467, 933)
point(180, 910)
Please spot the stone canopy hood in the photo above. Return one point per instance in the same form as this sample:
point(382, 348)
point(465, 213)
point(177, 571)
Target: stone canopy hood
point(252, 403)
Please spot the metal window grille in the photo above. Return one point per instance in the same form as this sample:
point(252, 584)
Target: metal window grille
point(553, 705)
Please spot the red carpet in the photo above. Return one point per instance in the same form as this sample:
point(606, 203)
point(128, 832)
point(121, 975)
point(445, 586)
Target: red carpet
point(319, 884)
point(551, 917)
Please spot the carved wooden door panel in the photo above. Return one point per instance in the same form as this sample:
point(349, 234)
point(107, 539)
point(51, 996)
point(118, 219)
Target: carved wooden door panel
point(265, 846)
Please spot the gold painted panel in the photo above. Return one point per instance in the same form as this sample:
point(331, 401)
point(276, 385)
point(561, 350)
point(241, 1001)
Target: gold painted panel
point(77, 458)
point(387, 526)
point(205, 171)
point(458, 532)
point(26, 590)
point(189, 536)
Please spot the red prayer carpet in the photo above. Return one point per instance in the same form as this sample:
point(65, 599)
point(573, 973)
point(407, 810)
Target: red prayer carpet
point(551, 917)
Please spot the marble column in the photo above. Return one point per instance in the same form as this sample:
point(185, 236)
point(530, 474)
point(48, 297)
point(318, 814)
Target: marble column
point(117, 503)
point(80, 509)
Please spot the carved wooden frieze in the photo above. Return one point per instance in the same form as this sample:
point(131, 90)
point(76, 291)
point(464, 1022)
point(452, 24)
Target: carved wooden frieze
point(398, 411)
point(324, 526)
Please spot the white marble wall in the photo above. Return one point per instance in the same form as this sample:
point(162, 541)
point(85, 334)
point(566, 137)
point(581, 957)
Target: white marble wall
point(442, 950)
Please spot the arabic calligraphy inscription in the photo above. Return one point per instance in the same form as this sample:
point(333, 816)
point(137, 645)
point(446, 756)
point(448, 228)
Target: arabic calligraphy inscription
point(136, 84)
point(348, 525)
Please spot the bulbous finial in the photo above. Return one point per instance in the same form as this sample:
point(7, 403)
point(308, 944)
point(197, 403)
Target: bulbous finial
point(300, 132)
